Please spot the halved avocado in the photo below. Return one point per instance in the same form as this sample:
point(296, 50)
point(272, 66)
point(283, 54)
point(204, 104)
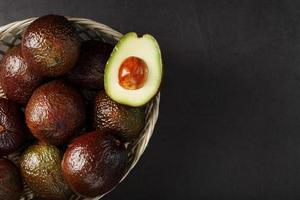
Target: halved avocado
point(133, 72)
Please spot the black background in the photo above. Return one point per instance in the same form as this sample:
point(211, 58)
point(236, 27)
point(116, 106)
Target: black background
point(229, 125)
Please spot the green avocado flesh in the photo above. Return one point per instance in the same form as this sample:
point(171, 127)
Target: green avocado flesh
point(147, 49)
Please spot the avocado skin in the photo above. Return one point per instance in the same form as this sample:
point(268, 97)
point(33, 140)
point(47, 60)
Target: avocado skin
point(89, 69)
point(55, 112)
point(11, 185)
point(41, 169)
point(17, 79)
point(12, 127)
point(107, 115)
point(94, 163)
point(51, 45)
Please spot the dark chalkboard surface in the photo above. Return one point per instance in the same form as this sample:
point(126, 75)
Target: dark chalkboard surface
point(229, 126)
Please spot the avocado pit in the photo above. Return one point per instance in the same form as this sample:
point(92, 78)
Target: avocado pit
point(133, 73)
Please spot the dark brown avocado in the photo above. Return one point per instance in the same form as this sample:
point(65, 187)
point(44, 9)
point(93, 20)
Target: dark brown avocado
point(17, 79)
point(89, 69)
point(11, 185)
point(50, 45)
point(55, 112)
point(40, 167)
point(94, 163)
point(107, 114)
point(12, 127)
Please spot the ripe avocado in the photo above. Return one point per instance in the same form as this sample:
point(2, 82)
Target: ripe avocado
point(89, 69)
point(109, 115)
point(41, 169)
point(94, 163)
point(17, 79)
point(51, 45)
point(12, 127)
point(11, 185)
point(55, 112)
point(133, 72)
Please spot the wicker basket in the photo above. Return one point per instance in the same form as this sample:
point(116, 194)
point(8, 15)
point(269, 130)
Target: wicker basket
point(11, 34)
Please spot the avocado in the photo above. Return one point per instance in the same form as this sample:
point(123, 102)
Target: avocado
point(51, 45)
point(109, 115)
point(55, 112)
point(94, 163)
point(133, 72)
point(40, 167)
point(11, 185)
point(89, 69)
point(17, 79)
point(12, 127)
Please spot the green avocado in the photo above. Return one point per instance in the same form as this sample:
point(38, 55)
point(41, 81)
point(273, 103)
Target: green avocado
point(133, 72)
point(41, 169)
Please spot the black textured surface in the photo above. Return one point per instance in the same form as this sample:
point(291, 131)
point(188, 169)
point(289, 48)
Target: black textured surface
point(229, 126)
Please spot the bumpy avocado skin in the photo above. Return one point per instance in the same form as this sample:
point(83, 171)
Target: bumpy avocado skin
point(89, 69)
point(50, 45)
point(17, 79)
point(12, 127)
point(108, 115)
point(41, 169)
point(55, 112)
point(11, 185)
point(94, 163)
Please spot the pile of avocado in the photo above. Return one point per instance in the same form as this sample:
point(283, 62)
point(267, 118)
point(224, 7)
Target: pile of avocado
point(72, 109)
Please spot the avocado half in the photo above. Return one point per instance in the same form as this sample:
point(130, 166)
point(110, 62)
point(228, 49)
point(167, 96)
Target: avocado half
point(144, 48)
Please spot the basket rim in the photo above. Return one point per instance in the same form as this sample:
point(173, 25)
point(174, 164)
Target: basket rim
point(153, 106)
